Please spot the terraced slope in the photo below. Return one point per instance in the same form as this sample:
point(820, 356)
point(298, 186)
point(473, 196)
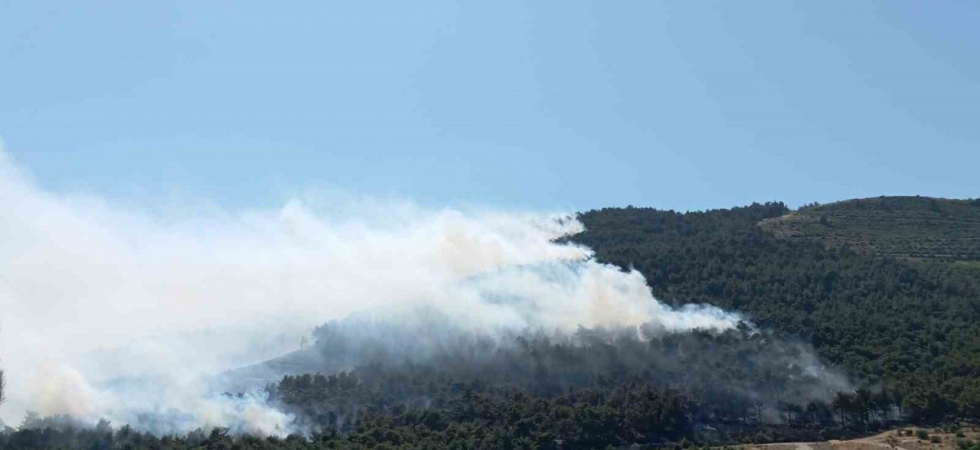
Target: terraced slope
point(904, 227)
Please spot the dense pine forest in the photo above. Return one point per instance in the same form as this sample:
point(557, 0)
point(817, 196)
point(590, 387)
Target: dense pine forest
point(909, 326)
point(851, 326)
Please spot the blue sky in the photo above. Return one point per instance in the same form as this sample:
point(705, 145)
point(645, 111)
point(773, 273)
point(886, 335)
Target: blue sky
point(541, 105)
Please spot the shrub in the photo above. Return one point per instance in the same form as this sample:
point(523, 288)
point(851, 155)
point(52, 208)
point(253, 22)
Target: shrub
point(922, 434)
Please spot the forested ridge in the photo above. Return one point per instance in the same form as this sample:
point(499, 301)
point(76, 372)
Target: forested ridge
point(910, 326)
point(898, 341)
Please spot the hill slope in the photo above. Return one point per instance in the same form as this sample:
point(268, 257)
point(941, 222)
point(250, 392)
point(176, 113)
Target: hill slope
point(912, 327)
point(906, 227)
point(907, 329)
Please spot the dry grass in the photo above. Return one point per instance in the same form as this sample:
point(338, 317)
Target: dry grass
point(900, 439)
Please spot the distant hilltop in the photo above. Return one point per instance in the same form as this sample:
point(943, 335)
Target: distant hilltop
point(904, 227)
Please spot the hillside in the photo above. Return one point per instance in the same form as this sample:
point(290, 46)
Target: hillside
point(904, 227)
point(912, 327)
point(898, 341)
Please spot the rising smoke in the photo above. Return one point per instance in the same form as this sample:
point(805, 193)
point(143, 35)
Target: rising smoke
point(114, 312)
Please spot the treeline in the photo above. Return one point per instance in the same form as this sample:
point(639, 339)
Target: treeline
point(480, 416)
point(912, 328)
point(588, 390)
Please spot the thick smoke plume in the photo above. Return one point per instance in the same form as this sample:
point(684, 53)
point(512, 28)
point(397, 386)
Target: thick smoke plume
point(109, 311)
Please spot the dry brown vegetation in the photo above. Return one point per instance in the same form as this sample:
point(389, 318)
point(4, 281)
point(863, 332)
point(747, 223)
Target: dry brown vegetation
point(963, 438)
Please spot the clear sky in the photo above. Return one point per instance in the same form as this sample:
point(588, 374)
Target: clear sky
point(530, 104)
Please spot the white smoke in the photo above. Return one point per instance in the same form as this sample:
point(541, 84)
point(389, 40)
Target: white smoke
point(107, 311)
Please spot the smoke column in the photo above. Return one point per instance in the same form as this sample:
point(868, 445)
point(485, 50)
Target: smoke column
point(107, 311)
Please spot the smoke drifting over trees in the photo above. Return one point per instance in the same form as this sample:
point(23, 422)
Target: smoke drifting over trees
point(733, 375)
point(129, 315)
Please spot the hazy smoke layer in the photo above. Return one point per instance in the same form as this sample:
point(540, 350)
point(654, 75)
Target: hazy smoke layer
point(115, 313)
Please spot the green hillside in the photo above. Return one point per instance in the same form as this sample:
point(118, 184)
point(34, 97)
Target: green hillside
point(910, 326)
point(905, 227)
